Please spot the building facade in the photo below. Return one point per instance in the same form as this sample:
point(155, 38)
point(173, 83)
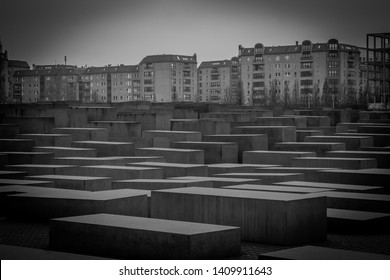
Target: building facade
point(305, 74)
point(168, 78)
point(218, 81)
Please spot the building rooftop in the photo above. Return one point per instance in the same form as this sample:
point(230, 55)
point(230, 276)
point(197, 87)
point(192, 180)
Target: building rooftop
point(216, 63)
point(168, 58)
point(18, 64)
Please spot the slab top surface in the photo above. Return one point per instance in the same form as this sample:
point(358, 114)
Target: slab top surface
point(68, 177)
point(119, 167)
point(166, 164)
point(150, 224)
point(355, 215)
point(261, 195)
point(328, 185)
point(103, 142)
point(217, 179)
point(170, 150)
point(276, 188)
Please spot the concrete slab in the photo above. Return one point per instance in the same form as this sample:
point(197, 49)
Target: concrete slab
point(28, 157)
point(8, 252)
point(106, 148)
point(3, 160)
point(320, 253)
point(218, 182)
point(84, 133)
point(266, 178)
point(9, 130)
point(328, 162)
point(170, 136)
point(143, 238)
point(174, 155)
point(245, 142)
point(175, 169)
point(61, 140)
point(320, 148)
point(334, 186)
point(119, 172)
point(382, 158)
point(266, 217)
point(352, 143)
point(276, 188)
point(32, 124)
point(275, 133)
point(374, 129)
point(301, 134)
point(379, 140)
point(67, 151)
point(16, 145)
point(273, 157)
point(39, 183)
point(42, 169)
point(308, 172)
point(297, 121)
point(120, 130)
point(357, 222)
point(368, 177)
point(228, 168)
point(204, 126)
point(160, 184)
point(9, 174)
point(65, 203)
point(149, 119)
point(214, 152)
point(326, 130)
point(76, 182)
point(85, 161)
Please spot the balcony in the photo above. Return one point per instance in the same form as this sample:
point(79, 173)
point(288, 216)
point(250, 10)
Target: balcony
point(307, 57)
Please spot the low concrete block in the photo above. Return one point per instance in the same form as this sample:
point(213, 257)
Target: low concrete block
point(8, 174)
point(204, 126)
point(382, 158)
point(218, 182)
point(76, 182)
point(65, 203)
point(67, 151)
point(320, 148)
point(174, 155)
point(297, 121)
point(320, 253)
point(301, 134)
point(327, 162)
point(275, 133)
point(266, 178)
point(352, 143)
point(379, 140)
point(245, 142)
point(170, 136)
point(276, 188)
point(61, 140)
point(214, 152)
point(47, 184)
point(283, 218)
point(106, 149)
point(308, 172)
point(84, 133)
point(120, 130)
point(85, 161)
point(219, 168)
point(334, 186)
point(29, 157)
point(160, 184)
point(374, 129)
point(143, 238)
point(175, 169)
point(273, 157)
point(8, 130)
point(32, 124)
point(42, 169)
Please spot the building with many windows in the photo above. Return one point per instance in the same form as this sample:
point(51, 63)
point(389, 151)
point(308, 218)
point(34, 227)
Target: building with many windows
point(168, 78)
point(218, 81)
point(302, 74)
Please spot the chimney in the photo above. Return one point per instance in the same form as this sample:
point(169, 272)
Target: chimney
point(296, 43)
point(65, 59)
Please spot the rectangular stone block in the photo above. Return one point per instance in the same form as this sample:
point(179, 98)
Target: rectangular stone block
point(42, 169)
point(47, 184)
point(218, 182)
point(245, 142)
point(67, 151)
point(204, 126)
point(382, 158)
point(148, 119)
point(84, 133)
point(308, 172)
point(320, 253)
point(337, 187)
point(327, 162)
point(119, 172)
point(175, 169)
point(297, 121)
point(301, 134)
point(266, 217)
point(29, 157)
point(159, 184)
point(276, 188)
point(106, 148)
point(32, 124)
point(8, 174)
point(143, 238)
point(65, 203)
point(379, 140)
point(374, 129)
point(352, 143)
point(228, 168)
point(62, 140)
point(76, 182)
point(170, 136)
point(85, 161)
point(16, 145)
point(174, 155)
point(9, 130)
point(265, 178)
point(214, 152)
point(275, 133)
point(120, 130)
point(273, 157)
point(320, 148)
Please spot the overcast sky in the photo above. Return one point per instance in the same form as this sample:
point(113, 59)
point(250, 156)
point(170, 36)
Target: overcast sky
point(100, 32)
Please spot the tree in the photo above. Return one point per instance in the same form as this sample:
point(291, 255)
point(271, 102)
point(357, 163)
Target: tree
point(287, 97)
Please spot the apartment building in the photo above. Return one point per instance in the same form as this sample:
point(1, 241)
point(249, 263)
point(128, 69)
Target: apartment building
point(218, 81)
point(168, 78)
point(304, 74)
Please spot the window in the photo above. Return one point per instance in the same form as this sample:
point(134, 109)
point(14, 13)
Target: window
point(333, 73)
point(333, 64)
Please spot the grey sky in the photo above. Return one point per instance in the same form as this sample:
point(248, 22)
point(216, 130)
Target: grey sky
point(96, 32)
